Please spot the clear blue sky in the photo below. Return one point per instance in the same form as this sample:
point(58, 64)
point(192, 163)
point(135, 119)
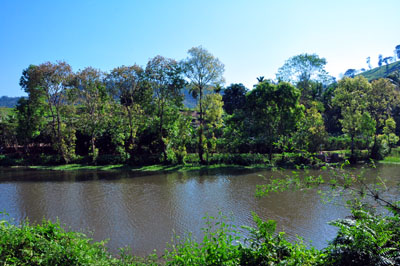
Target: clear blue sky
point(252, 38)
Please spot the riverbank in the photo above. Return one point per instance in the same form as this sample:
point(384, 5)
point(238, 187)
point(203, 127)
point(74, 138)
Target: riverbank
point(192, 163)
point(234, 161)
point(149, 168)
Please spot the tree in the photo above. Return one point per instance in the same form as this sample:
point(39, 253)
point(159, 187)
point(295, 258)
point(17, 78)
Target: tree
point(166, 81)
point(382, 99)
point(351, 97)
point(332, 113)
point(129, 85)
point(271, 111)
point(350, 73)
point(204, 72)
point(397, 52)
point(380, 60)
point(389, 134)
point(8, 129)
point(311, 133)
point(53, 82)
point(31, 111)
point(93, 96)
point(369, 62)
point(303, 68)
point(234, 97)
point(213, 110)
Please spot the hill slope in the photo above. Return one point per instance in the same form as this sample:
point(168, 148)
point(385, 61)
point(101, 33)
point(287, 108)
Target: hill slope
point(381, 72)
point(9, 102)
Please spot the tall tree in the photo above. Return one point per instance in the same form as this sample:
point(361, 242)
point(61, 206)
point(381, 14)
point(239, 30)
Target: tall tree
point(129, 85)
point(165, 77)
point(350, 73)
point(380, 60)
point(369, 62)
point(311, 133)
point(213, 111)
point(397, 52)
point(382, 99)
point(53, 81)
point(303, 68)
point(351, 97)
point(95, 107)
point(31, 111)
point(271, 111)
point(204, 72)
point(234, 97)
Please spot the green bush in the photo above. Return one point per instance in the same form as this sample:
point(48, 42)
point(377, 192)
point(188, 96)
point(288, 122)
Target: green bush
point(338, 143)
point(49, 244)
point(367, 239)
point(109, 159)
point(244, 159)
point(192, 158)
point(223, 244)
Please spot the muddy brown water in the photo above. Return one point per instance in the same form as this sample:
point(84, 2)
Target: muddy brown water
point(144, 211)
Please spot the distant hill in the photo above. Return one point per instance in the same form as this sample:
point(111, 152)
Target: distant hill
point(9, 102)
point(381, 72)
point(189, 101)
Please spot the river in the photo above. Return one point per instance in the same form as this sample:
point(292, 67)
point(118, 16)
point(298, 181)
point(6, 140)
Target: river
point(143, 211)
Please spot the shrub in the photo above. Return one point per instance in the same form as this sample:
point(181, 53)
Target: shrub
point(48, 244)
point(108, 159)
point(244, 159)
point(367, 239)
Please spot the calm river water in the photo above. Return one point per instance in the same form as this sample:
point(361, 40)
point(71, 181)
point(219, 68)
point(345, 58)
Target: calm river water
point(144, 211)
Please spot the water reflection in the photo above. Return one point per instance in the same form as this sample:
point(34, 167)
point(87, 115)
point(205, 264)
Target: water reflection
point(143, 210)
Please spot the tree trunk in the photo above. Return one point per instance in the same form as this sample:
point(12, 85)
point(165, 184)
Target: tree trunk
point(270, 153)
point(163, 147)
point(352, 157)
point(201, 151)
point(92, 142)
point(375, 149)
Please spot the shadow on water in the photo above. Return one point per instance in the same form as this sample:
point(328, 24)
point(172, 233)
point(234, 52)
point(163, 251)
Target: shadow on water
point(35, 175)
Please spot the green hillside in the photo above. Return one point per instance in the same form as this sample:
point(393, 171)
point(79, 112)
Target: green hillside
point(9, 102)
point(381, 72)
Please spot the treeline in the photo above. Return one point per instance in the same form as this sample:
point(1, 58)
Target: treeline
point(136, 115)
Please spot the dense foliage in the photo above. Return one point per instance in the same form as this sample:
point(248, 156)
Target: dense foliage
point(136, 115)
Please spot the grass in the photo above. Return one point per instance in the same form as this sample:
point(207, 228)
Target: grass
point(381, 72)
point(150, 168)
point(391, 160)
point(393, 157)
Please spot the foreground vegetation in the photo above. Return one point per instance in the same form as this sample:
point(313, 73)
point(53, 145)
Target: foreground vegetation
point(365, 239)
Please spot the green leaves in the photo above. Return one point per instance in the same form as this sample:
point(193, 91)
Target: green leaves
point(303, 68)
point(49, 244)
point(367, 239)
